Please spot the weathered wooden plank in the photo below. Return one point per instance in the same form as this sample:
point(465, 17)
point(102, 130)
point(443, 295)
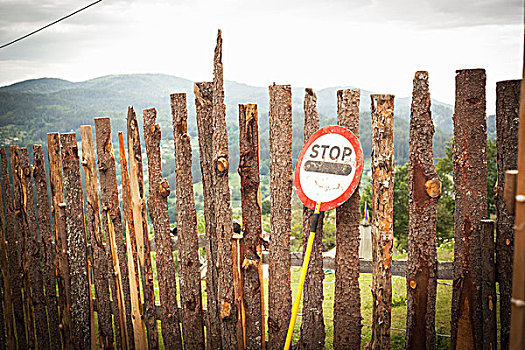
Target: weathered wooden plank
point(188, 247)
point(100, 251)
point(280, 295)
point(382, 110)
point(312, 326)
point(221, 193)
point(488, 285)
point(159, 191)
point(203, 102)
point(470, 183)
point(507, 122)
point(251, 226)
point(76, 244)
point(47, 246)
point(347, 298)
point(140, 222)
point(131, 251)
point(59, 224)
point(424, 191)
point(22, 233)
point(112, 221)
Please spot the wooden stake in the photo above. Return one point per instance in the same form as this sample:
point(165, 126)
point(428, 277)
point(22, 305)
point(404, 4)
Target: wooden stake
point(280, 295)
point(347, 298)
point(382, 110)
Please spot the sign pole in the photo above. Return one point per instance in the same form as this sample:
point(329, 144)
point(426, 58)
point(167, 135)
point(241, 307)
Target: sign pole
point(304, 270)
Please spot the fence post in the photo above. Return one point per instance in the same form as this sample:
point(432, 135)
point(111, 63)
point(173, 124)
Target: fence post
point(112, 221)
point(470, 183)
point(140, 221)
point(251, 226)
point(100, 252)
point(507, 120)
point(424, 191)
point(188, 244)
point(347, 298)
point(76, 244)
point(203, 103)
point(312, 325)
point(48, 263)
point(382, 110)
point(280, 294)
point(159, 191)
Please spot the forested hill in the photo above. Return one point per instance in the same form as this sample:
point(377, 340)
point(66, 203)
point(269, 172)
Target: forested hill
point(32, 108)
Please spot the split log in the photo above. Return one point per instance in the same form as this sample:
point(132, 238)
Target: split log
point(47, 246)
point(100, 251)
point(470, 182)
point(203, 103)
point(382, 110)
point(279, 289)
point(80, 286)
point(223, 215)
point(424, 192)
point(507, 122)
point(312, 326)
point(253, 286)
point(131, 250)
point(159, 191)
point(347, 298)
point(140, 222)
point(112, 221)
point(189, 266)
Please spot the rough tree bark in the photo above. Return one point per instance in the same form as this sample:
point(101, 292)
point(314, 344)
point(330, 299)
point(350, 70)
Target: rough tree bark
point(140, 221)
point(224, 222)
point(48, 263)
point(347, 298)
point(100, 251)
point(76, 244)
point(382, 110)
point(280, 295)
point(251, 226)
point(159, 190)
point(112, 221)
point(507, 122)
point(203, 102)
point(424, 192)
point(188, 244)
point(488, 285)
point(470, 182)
point(312, 326)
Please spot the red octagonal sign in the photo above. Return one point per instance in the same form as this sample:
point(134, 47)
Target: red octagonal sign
point(329, 168)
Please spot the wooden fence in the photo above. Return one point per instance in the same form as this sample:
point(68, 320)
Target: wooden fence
point(79, 274)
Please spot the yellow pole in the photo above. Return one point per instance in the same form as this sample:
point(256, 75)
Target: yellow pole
point(306, 262)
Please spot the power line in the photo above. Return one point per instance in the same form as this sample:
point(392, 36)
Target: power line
point(50, 24)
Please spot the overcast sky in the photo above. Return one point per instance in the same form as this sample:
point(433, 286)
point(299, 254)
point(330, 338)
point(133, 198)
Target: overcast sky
point(375, 45)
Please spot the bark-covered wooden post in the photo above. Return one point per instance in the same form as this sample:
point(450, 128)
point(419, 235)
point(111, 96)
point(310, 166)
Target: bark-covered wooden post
point(159, 190)
point(47, 249)
point(203, 103)
point(9, 325)
point(382, 110)
point(507, 122)
point(188, 244)
point(488, 285)
point(140, 221)
point(251, 226)
point(76, 244)
point(112, 221)
point(424, 191)
point(15, 265)
point(100, 252)
point(312, 325)
point(279, 289)
point(347, 298)
point(223, 215)
point(470, 183)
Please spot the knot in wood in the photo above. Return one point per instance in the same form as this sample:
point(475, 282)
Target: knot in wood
point(433, 187)
point(225, 309)
point(164, 188)
point(222, 164)
point(413, 284)
point(27, 171)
